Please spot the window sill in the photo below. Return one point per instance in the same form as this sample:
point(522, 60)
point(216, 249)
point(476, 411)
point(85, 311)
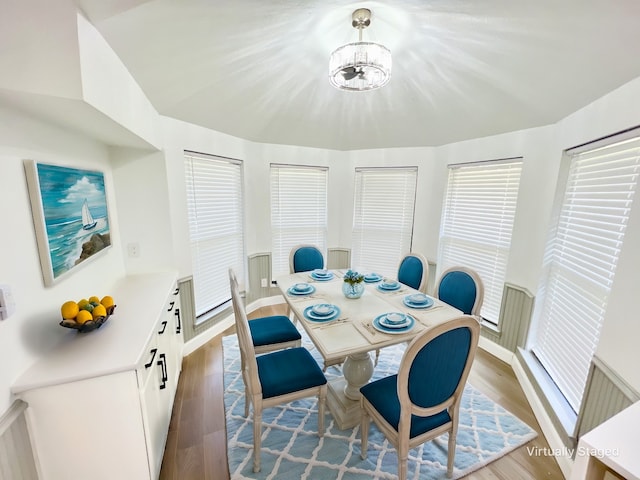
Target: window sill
point(557, 407)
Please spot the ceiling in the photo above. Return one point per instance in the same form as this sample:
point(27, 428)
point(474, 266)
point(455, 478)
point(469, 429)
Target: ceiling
point(462, 69)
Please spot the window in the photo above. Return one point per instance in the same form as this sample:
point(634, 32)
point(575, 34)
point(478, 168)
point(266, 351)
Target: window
point(298, 211)
point(477, 221)
point(580, 261)
point(383, 217)
point(215, 212)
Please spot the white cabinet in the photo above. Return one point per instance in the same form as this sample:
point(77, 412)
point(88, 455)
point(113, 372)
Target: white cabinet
point(100, 403)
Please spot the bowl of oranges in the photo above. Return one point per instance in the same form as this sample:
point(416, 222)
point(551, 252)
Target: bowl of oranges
point(87, 314)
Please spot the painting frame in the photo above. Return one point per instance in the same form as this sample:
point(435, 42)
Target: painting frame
point(70, 217)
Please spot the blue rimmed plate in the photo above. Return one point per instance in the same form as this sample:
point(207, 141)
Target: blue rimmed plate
point(294, 291)
point(396, 330)
point(386, 287)
point(309, 315)
point(321, 277)
point(406, 300)
point(372, 278)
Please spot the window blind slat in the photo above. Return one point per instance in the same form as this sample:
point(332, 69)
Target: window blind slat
point(477, 222)
point(580, 262)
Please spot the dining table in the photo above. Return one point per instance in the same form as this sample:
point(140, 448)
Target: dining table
point(356, 327)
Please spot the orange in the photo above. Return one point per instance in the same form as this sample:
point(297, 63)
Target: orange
point(94, 299)
point(83, 316)
point(69, 310)
point(99, 311)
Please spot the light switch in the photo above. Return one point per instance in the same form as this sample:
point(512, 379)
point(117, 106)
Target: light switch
point(7, 304)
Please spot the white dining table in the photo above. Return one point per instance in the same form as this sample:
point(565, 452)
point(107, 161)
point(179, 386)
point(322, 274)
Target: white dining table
point(351, 337)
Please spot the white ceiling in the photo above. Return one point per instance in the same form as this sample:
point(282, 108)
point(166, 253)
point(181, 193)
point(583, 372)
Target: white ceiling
point(257, 69)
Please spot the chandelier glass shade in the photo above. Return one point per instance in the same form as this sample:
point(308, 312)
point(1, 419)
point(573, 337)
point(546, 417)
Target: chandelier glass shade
point(360, 66)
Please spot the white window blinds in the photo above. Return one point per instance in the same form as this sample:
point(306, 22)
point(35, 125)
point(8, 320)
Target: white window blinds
point(477, 222)
point(215, 212)
point(580, 262)
point(298, 211)
point(383, 218)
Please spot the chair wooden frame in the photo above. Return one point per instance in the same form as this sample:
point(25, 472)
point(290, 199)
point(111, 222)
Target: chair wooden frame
point(253, 387)
point(272, 347)
point(425, 269)
point(477, 305)
point(400, 438)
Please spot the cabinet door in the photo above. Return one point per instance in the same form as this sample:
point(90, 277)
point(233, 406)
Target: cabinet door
point(153, 401)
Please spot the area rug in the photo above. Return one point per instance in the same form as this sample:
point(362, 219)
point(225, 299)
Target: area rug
point(292, 450)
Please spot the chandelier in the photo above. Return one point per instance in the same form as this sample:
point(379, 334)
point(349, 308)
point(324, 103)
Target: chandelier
point(361, 65)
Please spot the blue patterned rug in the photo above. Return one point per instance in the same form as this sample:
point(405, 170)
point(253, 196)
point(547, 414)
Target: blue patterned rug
point(292, 450)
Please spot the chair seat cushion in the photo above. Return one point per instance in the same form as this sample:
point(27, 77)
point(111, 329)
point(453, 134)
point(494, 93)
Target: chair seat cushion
point(288, 371)
point(270, 330)
point(383, 395)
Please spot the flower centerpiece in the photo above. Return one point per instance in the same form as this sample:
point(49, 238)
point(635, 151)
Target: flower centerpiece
point(353, 286)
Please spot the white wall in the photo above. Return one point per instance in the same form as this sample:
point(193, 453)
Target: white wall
point(34, 328)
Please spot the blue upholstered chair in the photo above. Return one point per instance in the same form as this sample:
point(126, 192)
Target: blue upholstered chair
point(414, 271)
point(304, 258)
point(461, 287)
point(422, 401)
point(275, 378)
point(270, 333)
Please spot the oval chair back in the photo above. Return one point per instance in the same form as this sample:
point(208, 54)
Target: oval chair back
point(304, 258)
point(428, 390)
point(414, 271)
point(461, 287)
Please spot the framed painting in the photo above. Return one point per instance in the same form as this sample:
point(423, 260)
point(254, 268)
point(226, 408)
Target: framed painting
point(70, 216)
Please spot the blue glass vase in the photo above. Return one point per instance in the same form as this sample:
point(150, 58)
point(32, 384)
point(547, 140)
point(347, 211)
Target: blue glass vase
point(352, 290)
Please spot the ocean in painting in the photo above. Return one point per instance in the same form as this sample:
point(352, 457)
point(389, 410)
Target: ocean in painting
point(64, 191)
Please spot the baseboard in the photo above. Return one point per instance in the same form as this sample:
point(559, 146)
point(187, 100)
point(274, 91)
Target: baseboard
point(556, 445)
point(496, 350)
point(198, 341)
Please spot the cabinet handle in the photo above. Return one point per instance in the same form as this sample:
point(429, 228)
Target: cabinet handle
point(163, 363)
point(171, 306)
point(164, 327)
point(178, 321)
point(153, 355)
point(177, 291)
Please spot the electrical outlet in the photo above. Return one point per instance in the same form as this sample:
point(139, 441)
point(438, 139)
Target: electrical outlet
point(263, 283)
point(133, 249)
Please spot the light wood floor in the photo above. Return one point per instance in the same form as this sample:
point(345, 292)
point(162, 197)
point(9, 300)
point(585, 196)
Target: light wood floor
point(197, 450)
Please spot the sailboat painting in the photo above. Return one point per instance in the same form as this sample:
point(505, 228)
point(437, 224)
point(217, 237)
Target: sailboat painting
point(70, 215)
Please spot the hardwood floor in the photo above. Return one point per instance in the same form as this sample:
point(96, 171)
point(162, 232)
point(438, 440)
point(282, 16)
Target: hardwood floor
point(197, 450)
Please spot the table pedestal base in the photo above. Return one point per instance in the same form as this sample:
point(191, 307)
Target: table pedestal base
point(346, 412)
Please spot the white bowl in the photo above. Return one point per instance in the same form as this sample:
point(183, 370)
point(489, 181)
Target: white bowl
point(395, 318)
point(418, 298)
point(301, 287)
point(321, 273)
point(322, 309)
point(389, 284)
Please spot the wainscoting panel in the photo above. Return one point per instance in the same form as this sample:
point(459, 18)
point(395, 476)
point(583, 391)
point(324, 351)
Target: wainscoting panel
point(16, 455)
point(431, 281)
point(515, 316)
point(605, 395)
point(338, 258)
point(259, 268)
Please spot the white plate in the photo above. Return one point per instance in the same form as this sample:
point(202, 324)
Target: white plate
point(418, 298)
point(417, 305)
point(323, 309)
point(385, 322)
point(388, 289)
point(321, 278)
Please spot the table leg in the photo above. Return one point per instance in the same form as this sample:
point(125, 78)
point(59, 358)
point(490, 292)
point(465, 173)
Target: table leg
point(357, 370)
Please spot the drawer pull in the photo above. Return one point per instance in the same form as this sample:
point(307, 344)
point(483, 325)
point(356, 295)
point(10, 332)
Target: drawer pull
point(177, 291)
point(164, 327)
point(153, 355)
point(178, 321)
point(171, 306)
point(163, 363)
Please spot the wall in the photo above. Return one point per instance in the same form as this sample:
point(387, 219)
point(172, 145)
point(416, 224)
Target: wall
point(34, 328)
